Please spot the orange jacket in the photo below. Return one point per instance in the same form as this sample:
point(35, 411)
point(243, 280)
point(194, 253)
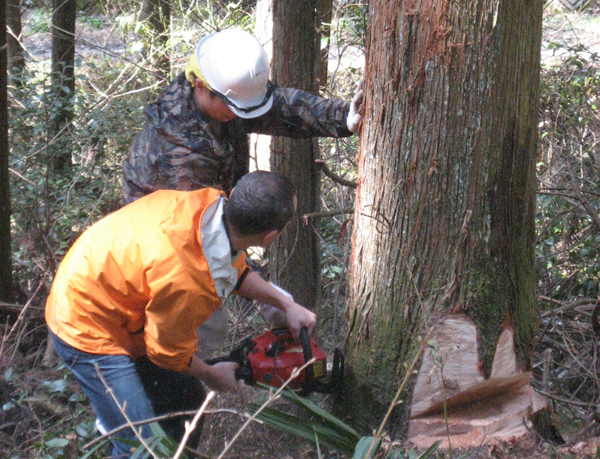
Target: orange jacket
point(138, 281)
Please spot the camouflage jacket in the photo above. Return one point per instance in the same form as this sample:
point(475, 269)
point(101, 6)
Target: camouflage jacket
point(179, 148)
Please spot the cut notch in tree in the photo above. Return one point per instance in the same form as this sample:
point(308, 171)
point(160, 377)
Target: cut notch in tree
point(478, 410)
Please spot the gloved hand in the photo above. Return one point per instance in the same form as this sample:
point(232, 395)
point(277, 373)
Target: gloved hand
point(354, 117)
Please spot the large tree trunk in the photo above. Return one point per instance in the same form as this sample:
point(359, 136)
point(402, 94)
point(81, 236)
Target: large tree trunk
point(16, 57)
point(444, 217)
point(295, 262)
point(5, 246)
point(63, 78)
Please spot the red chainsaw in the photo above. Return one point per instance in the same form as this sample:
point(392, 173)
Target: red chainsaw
point(272, 357)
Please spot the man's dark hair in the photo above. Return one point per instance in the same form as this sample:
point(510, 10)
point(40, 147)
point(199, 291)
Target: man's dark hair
point(261, 201)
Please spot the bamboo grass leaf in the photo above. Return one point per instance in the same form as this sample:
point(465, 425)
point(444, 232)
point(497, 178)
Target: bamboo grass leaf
point(309, 406)
point(429, 452)
point(307, 429)
point(363, 446)
point(303, 424)
point(91, 452)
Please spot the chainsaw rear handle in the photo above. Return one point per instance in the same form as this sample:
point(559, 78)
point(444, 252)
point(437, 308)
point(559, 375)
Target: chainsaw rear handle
point(239, 355)
point(243, 372)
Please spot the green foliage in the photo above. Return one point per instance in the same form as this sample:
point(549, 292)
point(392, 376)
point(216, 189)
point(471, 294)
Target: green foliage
point(160, 445)
point(38, 20)
point(52, 207)
point(324, 429)
point(364, 445)
point(189, 21)
point(213, 15)
point(94, 22)
point(335, 234)
point(567, 224)
point(72, 425)
point(351, 25)
point(63, 424)
point(569, 172)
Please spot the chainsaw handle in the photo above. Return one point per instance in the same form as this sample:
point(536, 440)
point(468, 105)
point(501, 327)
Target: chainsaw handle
point(240, 356)
point(245, 374)
point(308, 371)
point(242, 372)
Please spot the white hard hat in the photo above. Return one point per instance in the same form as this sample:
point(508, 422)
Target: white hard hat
point(236, 68)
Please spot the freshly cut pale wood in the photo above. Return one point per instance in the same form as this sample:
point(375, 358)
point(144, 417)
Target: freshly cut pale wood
point(478, 409)
point(456, 363)
point(486, 389)
point(501, 418)
point(505, 359)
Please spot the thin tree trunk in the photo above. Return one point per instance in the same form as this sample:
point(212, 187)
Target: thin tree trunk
point(63, 77)
point(158, 15)
point(5, 240)
point(295, 262)
point(16, 57)
point(260, 145)
point(325, 12)
point(444, 209)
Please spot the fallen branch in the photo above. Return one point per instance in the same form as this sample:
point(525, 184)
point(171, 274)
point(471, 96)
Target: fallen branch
point(11, 307)
point(568, 401)
point(21, 315)
point(327, 213)
point(563, 306)
point(189, 427)
point(332, 176)
point(157, 419)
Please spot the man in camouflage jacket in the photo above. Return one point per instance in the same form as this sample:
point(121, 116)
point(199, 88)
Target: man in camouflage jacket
point(196, 134)
point(180, 148)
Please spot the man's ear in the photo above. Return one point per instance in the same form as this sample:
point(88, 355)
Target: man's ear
point(199, 85)
point(231, 192)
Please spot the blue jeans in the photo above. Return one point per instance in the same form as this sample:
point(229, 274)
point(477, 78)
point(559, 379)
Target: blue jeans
point(142, 387)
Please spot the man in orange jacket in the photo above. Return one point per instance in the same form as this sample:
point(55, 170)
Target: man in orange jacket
point(129, 294)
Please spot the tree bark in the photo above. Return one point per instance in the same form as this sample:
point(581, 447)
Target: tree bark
point(158, 15)
point(295, 262)
point(63, 77)
point(16, 57)
point(5, 240)
point(444, 216)
point(325, 11)
point(260, 145)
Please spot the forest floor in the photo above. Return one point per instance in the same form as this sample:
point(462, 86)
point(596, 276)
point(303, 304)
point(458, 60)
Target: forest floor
point(40, 404)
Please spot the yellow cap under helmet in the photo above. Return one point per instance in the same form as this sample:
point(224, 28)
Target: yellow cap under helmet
point(192, 71)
